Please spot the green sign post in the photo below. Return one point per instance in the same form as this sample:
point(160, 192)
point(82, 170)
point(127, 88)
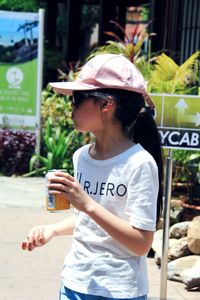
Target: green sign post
point(178, 120)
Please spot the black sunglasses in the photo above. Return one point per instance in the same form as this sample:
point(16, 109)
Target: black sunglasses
point(78, 97)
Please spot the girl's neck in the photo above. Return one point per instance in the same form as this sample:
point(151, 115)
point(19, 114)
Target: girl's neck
point(109, 146)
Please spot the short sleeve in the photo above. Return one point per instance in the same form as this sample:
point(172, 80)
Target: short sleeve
point(142, 197)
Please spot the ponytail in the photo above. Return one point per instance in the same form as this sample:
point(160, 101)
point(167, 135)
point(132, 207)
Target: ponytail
point(146, 133)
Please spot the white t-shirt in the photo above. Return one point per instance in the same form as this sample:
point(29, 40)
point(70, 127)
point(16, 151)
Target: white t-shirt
point(127, 186)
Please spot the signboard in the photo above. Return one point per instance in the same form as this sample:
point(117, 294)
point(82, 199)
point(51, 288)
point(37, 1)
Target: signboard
point(178, 120)
point(19, 64)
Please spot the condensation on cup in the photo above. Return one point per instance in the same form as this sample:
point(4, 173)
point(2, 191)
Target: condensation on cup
point(55, 203)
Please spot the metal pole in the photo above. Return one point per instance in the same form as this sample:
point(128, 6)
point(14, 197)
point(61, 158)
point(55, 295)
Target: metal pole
point(166, 217)
point(39, 78)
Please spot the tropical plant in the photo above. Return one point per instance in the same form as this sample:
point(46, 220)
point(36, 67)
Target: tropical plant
point(180, 160)
point(130, 47)
point(186, 174)
point(57, 148)
point(168, 77)
point(56, 144)
point(57, 108)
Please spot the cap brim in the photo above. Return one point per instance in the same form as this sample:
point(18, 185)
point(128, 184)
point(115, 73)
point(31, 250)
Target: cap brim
point(67, 88)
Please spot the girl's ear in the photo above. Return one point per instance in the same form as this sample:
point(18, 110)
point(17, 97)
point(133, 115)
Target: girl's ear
point(104, 103)
point(107, 104)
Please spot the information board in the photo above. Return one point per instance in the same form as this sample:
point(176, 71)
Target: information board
point(178, 120)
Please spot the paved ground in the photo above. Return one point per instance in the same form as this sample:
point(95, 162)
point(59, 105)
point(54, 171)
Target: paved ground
point(36, 275)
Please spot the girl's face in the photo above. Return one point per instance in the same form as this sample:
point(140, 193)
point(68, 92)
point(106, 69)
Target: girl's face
point(86, 114)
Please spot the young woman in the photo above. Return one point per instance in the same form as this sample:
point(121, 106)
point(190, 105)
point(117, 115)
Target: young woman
point(116, 188)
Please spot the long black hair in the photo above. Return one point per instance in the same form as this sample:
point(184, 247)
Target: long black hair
point(138, 124)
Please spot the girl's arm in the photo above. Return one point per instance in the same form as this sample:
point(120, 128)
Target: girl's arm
point(40, 235)
point(137, 240)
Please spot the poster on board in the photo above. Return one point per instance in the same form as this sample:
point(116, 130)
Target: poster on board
point(19, 63)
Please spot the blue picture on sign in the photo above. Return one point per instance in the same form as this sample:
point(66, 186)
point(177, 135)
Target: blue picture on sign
point(18, 38)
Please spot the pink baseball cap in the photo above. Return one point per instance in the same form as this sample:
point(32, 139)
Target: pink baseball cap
point(106, 71)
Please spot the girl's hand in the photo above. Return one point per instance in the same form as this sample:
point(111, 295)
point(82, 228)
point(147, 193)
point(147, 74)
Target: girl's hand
point(38, 237)
point(64, 184)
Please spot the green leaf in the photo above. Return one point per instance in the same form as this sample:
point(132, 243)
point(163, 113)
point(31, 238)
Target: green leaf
point(37, 158)
point(49, 143)
point(194, 156)
point(50, 160)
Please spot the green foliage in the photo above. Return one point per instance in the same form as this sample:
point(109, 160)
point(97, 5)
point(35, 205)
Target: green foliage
point(16, 5)
point(56, 143)
point(146, 67)
point(145, 13)
point(183, 160)
point(58, 149)
point(57, 108)
point(181, 156)
point(168, 77)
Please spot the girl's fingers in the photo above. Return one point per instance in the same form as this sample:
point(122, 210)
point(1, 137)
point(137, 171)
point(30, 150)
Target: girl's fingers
point(58, 187)
point(61, 183)
point(65, 175)
point(31, 246)
point(27, 245)
point(24, 245)
point(41, 238)
point(38, 237)
point(34, 239)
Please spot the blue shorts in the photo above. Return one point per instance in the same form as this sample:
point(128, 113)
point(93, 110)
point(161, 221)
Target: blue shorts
point(67, 294)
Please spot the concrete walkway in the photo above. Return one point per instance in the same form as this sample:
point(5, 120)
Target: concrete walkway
point(36, 275)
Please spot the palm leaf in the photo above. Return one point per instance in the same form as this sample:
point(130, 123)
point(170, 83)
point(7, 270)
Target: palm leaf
point(168, 77)
point(188, 70)
point(165, 67)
